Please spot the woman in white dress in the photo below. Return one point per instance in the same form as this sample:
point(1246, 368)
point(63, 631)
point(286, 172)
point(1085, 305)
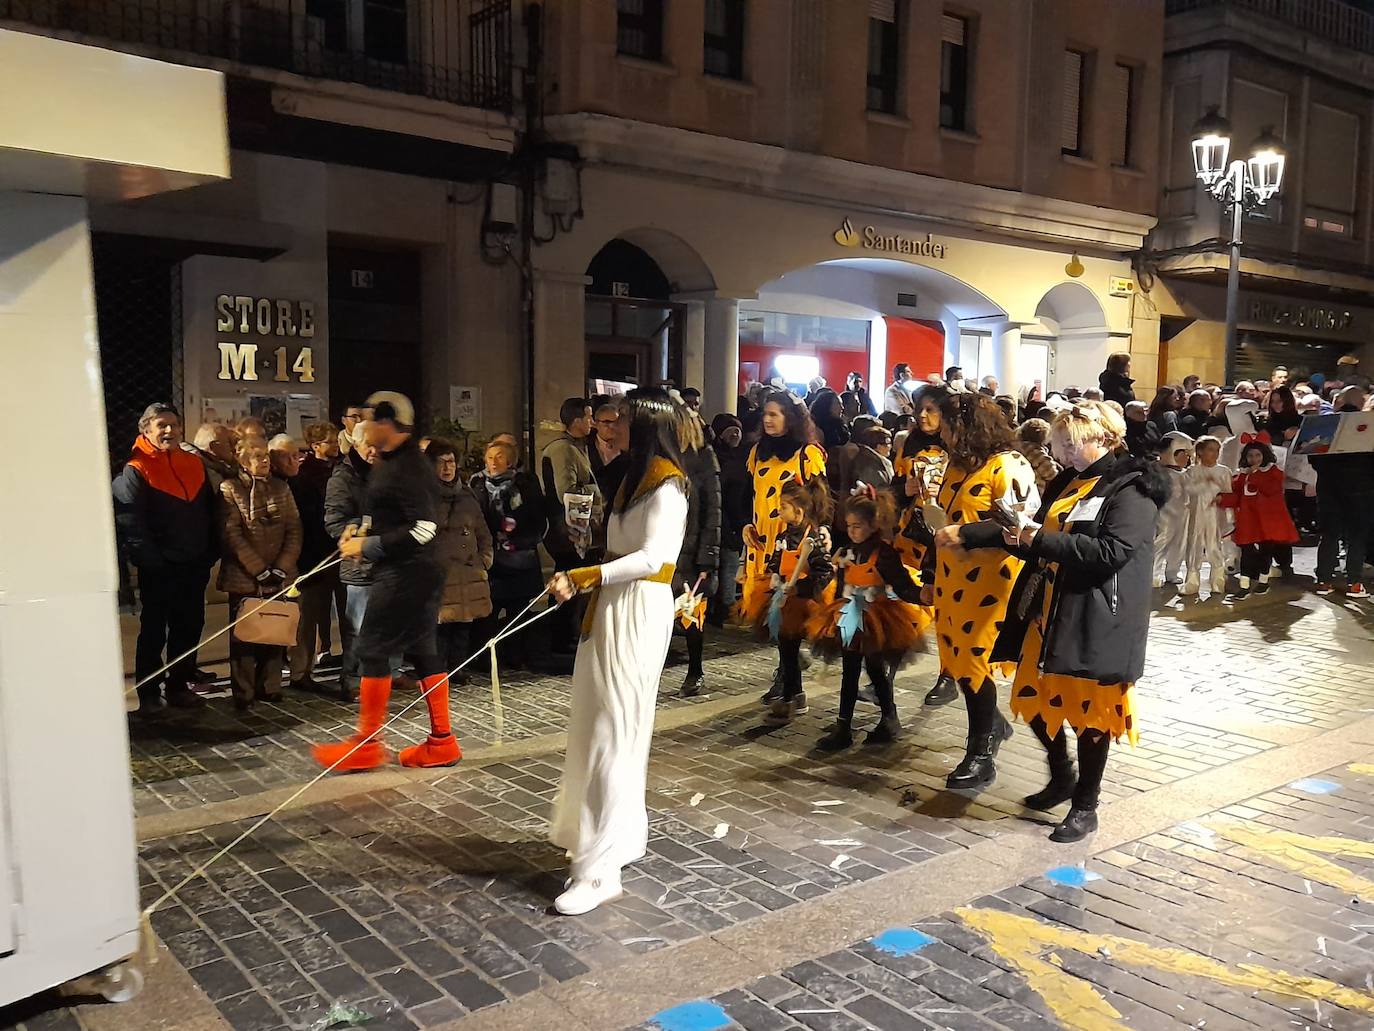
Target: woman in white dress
point(599, 815)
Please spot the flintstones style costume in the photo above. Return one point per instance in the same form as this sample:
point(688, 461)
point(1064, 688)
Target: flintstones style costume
point(912, 538)
point(777, 614)
point(972, 587)
point(767, 475)
point(1057, 698)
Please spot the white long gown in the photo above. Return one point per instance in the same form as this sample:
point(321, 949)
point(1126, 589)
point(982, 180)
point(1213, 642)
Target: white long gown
point(599, 814)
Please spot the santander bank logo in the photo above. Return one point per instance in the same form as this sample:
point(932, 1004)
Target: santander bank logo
point(845, 235)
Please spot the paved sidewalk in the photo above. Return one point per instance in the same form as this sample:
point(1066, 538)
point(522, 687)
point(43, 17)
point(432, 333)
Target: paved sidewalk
point(420, 897)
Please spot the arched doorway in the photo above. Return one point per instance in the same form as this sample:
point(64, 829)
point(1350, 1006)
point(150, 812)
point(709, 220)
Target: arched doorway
point(1074, 345)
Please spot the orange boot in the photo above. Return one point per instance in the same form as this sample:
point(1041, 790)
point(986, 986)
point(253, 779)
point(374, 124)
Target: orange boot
point(441, 747)
point(367, 751)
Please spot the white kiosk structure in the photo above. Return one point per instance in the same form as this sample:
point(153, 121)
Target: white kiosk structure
point(76, 123)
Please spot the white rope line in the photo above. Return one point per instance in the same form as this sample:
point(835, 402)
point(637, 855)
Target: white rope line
point(199, 871)
point(286, 589)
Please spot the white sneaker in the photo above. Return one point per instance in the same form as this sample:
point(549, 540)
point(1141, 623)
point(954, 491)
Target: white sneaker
point(586, 895)
point(1190, 585)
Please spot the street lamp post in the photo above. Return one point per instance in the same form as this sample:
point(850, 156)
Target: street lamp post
point(1241, 185)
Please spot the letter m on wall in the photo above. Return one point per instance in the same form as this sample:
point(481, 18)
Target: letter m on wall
point(238, 361)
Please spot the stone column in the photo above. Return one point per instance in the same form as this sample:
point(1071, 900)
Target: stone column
point(720, 366)
point(1006, 343)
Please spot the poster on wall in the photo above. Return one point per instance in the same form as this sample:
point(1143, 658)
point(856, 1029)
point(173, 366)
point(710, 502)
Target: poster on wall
point(225, 411)
point(465, 406)
point(271, 410)
point(301, 411)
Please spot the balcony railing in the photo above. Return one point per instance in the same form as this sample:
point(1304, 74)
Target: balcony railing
point(458, 51)
point(1332, 20)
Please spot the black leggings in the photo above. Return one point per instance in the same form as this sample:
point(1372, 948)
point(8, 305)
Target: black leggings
point(1256, 559)
point(696, 638)
point(877, 668)
point(789, 662)
point(1093, 746)
point(982, 708)
point(425, 665)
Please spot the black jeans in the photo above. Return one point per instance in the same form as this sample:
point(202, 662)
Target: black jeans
point(172, 618)
point(789, 663)
point(456, 643)
point(1343, 518)
point(1256, 559)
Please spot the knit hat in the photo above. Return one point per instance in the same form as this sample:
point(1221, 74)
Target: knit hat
point(391, 406)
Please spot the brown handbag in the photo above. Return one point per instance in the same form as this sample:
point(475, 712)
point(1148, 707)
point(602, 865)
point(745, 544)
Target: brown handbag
point(268, 622)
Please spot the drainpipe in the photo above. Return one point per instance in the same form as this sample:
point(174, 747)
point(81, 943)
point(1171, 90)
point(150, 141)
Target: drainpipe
point(533, 86)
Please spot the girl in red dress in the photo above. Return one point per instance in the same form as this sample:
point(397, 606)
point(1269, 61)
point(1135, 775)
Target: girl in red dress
point(1262, 520)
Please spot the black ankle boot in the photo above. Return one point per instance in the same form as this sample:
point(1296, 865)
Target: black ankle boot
point(978, 769)
point(1076, 826)
point(944, 691)
point(840, 737)
point(1063, 781)
point(692, 685)
point(888, 730)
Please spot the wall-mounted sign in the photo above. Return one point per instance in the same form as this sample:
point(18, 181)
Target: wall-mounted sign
point(1120, 286)
point(871, 238)
point(619, 288)
point(1300, 315)
point(361, 278)
point(264, 317)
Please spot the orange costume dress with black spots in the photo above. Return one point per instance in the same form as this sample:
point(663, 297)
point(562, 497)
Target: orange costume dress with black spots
point(929, 463)
point(776, 616)
point(874, 608)
point(767, 476)
point(972, 587)
point(1057, 698)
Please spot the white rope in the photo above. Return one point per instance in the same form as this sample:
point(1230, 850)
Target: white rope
point(286, 589)
point(199, 871)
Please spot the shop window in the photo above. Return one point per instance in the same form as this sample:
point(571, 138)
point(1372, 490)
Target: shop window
point(1329, 223)
point(639, 29)
point(954, 73)
point(1072, 138)
point(884, 54)
point(797, 369)
point(1123, 113)
point(723, 42)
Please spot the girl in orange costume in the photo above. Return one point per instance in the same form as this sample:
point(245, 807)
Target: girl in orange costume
point(874, 619)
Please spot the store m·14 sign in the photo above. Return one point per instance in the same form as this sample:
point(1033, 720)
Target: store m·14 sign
point(265, 317)
point(870, 238)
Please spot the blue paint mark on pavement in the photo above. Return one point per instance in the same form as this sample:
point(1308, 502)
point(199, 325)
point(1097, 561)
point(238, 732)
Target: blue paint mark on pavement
point(902, 941)
point(1072, 876)
point(1315, 786)
point(691, 1016)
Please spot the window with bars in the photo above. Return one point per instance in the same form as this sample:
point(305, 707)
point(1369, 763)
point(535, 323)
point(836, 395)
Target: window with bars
point(1071, 136)
point(1123, 114)
point(639, 28)
point(955, 42)
point(723, 41)
point(884, 50)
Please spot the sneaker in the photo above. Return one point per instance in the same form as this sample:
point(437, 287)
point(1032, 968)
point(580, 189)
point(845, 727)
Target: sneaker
point(1357, 591)
point(1324, 588)
point(1263, 587)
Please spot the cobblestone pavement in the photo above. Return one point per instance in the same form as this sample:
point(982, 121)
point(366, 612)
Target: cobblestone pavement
point(1257, 916)
point(426, 903)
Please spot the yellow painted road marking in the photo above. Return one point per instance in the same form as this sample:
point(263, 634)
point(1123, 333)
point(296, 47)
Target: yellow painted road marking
point(1078, 1005)
point(1365, 768)
point(1296, 852)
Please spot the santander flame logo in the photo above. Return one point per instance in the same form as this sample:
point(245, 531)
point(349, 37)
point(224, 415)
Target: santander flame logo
point(845, 235)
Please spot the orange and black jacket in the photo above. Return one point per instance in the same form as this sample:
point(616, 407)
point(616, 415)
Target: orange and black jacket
point(164, 509)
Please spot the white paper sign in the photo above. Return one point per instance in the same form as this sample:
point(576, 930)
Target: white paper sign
point(465, 406)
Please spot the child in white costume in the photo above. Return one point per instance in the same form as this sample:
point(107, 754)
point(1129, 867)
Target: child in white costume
point(1208, 524)
point(1171, 534)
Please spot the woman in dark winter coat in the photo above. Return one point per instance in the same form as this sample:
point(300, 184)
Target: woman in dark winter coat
point(262, 543)
point(463, 543)
point(1194, 419)
point(1115, 380)
point(827, 412)
point(735, 512)
point(345, 504)
point(1163, 411)
point(700, 555)
point(1079, 614)
point(516, 516)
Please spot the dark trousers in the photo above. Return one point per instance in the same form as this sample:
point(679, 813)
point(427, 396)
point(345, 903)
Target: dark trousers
point(506, 603)
point(172, 618)
point(852, 664)
point(1093, 747)
point(1302, 508)
point(1256, 559)
point(789, 662)
point(317, 598)
point(456, 644)
point(982, 708)
point(254, 669)
point(1343, 518)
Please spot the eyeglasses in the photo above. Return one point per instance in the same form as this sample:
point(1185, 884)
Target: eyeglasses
point(607, 422)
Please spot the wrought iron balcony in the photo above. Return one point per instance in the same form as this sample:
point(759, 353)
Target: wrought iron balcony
point(1331, 20)
point(457, 51)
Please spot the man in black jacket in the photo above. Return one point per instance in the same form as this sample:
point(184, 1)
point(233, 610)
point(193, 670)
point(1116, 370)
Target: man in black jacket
point(1345, 505)
point(164, 509)
point(403, 602)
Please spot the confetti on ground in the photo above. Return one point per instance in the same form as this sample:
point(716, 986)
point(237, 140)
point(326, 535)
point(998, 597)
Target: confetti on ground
point(1315, 786)
point(696, 800)
point(902, 941)
point(839, 861)
point(841, 843)
point(1071, 876)
point(721, 830)
point(691, 1016)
